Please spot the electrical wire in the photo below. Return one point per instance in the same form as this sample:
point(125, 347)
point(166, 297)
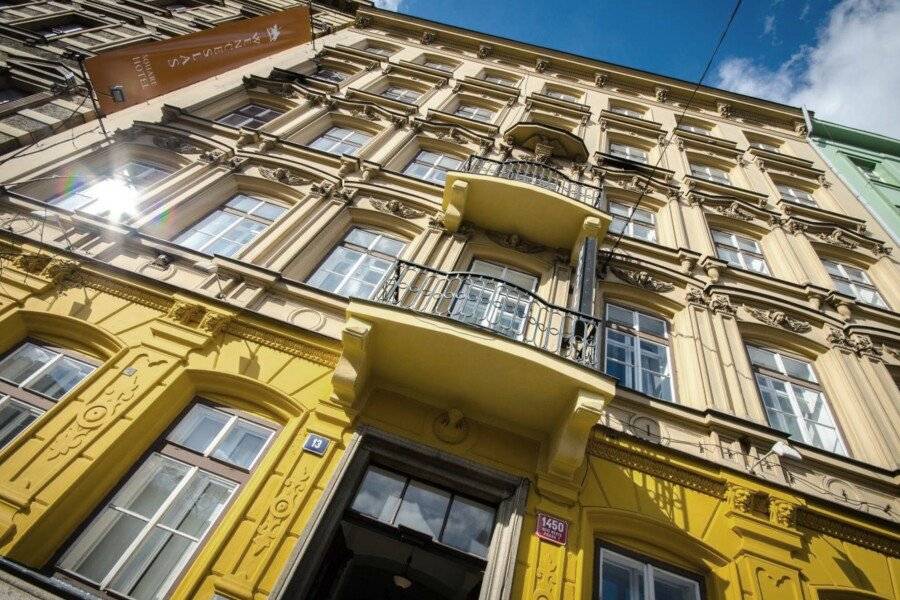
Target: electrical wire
point(709, 63)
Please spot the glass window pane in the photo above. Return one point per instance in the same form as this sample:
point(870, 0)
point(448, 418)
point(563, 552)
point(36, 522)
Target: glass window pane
point(621, 582)
point(22, 362)
point(102, 545)
point(199, 427)
point(423, 508)
point(62, 376)
point(361, 237)
point(798, 368)
point(153, 565)
point(242, 203)
point(15, 416)
point(469, 526)
point(198, 504)
point(269, 211)
point(149, 487)
point(242, 444)
point(651, 325)
point(763, 358)
point(667, 587)
point(389, 246)
point(379, 494)
point(617, 314)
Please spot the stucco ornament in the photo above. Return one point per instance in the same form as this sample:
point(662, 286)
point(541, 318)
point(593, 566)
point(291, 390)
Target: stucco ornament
point(514, 242)
point(778, 318)
point(451, 426)
point(283, 175)
point(485, 50)
point(720, 303)
point(175, 144)
point(861, 345)
point(783, 513)
point(837, 238)
point(741, 498)
point(734, 211)
point(642, 279)
point(186, 314)
point(397, 208)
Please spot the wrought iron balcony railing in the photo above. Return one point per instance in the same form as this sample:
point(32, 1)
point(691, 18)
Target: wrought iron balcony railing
point(492, 304)
point(536, 174)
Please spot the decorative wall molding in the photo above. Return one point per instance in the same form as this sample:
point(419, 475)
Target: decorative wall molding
point(397, 208)
point(514, 242)
point(282, 343)
point(283, 175)
point(807, 519)
point(861, 345)
point(175, 144)
point(642, 279)
point(778, 318)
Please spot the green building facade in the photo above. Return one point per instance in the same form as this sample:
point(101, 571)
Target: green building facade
point(869, 163)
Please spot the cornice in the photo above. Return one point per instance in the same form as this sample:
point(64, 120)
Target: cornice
point(820, 523)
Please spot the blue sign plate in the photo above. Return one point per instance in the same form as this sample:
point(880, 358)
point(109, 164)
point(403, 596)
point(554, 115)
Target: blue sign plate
point(316, 444)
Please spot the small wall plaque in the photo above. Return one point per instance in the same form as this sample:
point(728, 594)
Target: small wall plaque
point(316, 444)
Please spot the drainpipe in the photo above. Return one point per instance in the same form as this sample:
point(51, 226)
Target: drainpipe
point(807, 117)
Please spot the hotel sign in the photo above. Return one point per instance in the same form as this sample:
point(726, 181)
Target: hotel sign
point(144, 71)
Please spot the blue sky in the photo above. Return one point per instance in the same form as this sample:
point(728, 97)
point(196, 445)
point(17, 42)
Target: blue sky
point(829, 54)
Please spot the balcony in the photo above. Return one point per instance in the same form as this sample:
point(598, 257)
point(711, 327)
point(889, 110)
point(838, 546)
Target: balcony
point(478, 344)
point(530, 199)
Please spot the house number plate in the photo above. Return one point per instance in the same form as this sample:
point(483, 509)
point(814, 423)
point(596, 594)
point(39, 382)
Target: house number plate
point(552, 529)
point(316, 444)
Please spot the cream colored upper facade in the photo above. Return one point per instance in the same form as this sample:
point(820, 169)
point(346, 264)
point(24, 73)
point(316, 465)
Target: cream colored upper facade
point(472, 95)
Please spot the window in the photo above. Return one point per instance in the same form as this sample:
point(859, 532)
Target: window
point(62, 29)
point(401, 94)
point(642, 224)
point(9, 94)
point(32, 378)
point(231, 227)
point(796, 195)
point(709, 173)
point(854, 282)
point(561, 95)
point(115, 194)
point(440, 66)
point(357, 266)
point(702, 130)
point(456, 521)
point(628, 152)
point(625, 578)
point(637, 351)
point(793, 400)
point(740, 251)
point(340, 140)
point(144, 538)
point(868, 169)
point(486, 300)
point(628, 112)
point(331, 75)
point(251, 116)
point(499, 79)
point(475, 112)
point(764, 146)
point(432, 166)
point(379, 50)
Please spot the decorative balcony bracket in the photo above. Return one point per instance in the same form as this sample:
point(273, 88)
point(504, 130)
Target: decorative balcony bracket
point(565, 451)
point(352, 371)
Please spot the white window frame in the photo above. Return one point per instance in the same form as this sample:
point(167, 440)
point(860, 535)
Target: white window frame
point(694, 128)
point(318, 75)
point(402, 94)
point(438, 65)
point(242, 216)
point(640, 216)
point(503, 296)
point(369, 251)
point(710, 173)
point(632, 153)
point(271, 113)
point(433, 168)
point(793, 194)
point(628, 112)
point(561, 95)
point(847, 279)
point(476, 113)
point(345, 139)
point(132, 184)
point(742, 254)
point(499, 80)
point(634, 336)
point(649, 571)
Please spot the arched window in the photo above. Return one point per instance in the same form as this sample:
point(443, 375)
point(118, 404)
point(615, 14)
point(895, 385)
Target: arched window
point(432, 166)
point(627, 576)
point(341, 140)
point(358, 264)
point(496, 297)
point(740, 251)
point(232, 226)
point(854, 282)
point(793, 399)
point(143, 539)
point(33, 377)
point(112, 193)
point(637, 351)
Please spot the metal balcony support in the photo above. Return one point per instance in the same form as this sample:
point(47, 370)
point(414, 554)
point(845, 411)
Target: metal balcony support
point(491, 304)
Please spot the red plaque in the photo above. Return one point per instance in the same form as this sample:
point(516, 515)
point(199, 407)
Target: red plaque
point(552, 529)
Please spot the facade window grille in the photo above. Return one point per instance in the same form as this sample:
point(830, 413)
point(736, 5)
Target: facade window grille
point(854, 282)
point(432, 166)
point(402, 94)
point(250, 116)
point(145, 536)
point(331, 75)
point(628, 112)
point(500, 301)
point(341, 140)
point(448, 518)
point(793, 399)
point(637, 351)
point(231, 227)
point(628, 153)
point(477, 113)
point(740, 251)
point(116, 193)
point(357, 266)
point(33, 377)
point(626, 578)
point(797, 195)
point(710, 173)
point(642, 224)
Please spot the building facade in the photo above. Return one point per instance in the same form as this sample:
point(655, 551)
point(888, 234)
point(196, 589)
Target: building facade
point(417, 312)
point(868, 163)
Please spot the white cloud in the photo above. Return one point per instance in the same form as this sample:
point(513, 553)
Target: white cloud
point(769, 25)
point(848, 75)
point(389, 4)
